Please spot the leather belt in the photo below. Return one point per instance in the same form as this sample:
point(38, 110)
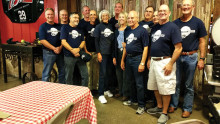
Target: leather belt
point(160, 58)
point(135, 54)
point(188, 53)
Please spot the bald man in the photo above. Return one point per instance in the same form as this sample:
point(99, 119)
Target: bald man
point(92, 65)
point(193, 34)
point(165, 47)
point(136, 38)
point(63, 15)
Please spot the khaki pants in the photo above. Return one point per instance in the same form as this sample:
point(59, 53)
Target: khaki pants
point(93, 69)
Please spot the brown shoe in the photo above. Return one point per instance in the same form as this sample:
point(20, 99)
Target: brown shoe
point(171, 109)
point(117, 95)
point(185, 114)
point(124, 98)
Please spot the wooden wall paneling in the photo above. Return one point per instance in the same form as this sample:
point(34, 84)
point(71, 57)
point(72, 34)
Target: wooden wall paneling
point(216, 11)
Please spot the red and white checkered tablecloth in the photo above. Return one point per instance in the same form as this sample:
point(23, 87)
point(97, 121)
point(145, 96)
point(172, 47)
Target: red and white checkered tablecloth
point(37, 102)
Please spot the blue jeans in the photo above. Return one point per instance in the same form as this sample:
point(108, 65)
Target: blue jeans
point(185, 65)
point(135, 80)
point(104, 74)
point(49, 58)
point(70, 63)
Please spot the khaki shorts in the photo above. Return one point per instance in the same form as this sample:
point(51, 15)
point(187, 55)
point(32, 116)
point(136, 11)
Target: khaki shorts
point(166, 85)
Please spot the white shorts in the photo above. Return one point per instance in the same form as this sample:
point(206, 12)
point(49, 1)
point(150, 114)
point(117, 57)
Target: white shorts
point(166, 85)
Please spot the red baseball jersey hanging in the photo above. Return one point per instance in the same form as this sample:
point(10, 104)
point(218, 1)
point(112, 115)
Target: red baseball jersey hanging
point(23, 11)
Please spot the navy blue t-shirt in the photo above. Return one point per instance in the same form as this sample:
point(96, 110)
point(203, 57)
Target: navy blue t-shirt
point(146, 25)
point(163, 39)
point(105, 36)
point(73, 37)
point(136, 39)
point(90, 39)
point(191, 31)
point(114, 23)
point(82, 24)
point(51, 33)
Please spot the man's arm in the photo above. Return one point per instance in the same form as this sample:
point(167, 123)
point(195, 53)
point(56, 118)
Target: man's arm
point(74, 51)
point(47, 44)
point(177, 51)
point(202, 53)
point(56, 50)
point(143, 60)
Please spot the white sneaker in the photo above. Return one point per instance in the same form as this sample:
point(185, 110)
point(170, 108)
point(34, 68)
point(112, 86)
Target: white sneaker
point(102, 99)
point(108, 93)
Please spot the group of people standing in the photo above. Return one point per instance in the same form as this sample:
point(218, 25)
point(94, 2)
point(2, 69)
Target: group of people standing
point(151, 54)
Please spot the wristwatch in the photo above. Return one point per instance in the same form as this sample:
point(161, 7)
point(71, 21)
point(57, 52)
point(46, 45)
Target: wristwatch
point(202, 58)
point(142, 63)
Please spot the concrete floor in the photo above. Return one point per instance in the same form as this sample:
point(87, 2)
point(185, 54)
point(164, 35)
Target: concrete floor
point(115, 113)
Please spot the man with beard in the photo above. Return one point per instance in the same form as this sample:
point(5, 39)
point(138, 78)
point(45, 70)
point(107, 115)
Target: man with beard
point(73, 41)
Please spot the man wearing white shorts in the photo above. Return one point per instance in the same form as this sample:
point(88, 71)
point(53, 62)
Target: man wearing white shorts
point(165, 48)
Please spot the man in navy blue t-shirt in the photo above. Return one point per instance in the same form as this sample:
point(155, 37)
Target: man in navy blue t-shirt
point(147, 23)
point(114, 20)
point(137, 40)
point(193, 34)
point(49, 35)
point(92, 65)
point(63, 15)
point(73, 41)
point(164, 51)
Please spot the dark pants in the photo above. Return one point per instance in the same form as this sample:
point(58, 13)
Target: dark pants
point(123, 87)
point(104, 74)
point(70, 63)
point(135, 79)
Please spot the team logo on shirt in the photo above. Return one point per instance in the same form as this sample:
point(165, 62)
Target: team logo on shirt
point(83, 56)
point(146, 27)
point(130, 38)
point(91, 32)
point(53, 31)
point(107, 32)
point(157, 35)
point(74, 34)
point(185, 31)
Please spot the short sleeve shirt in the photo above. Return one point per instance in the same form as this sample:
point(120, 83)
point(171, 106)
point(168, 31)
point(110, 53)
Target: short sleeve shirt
point(163, 39)
point(136, 39)
point(51, 33)
point(105, 34)
point(146, 25)
point(114, 23)
point(74, 36)
point(89, 37)
point(191, 31)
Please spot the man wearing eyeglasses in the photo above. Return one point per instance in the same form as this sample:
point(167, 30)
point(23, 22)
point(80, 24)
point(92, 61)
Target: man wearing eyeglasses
point(193, 34)
point(165, 49)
